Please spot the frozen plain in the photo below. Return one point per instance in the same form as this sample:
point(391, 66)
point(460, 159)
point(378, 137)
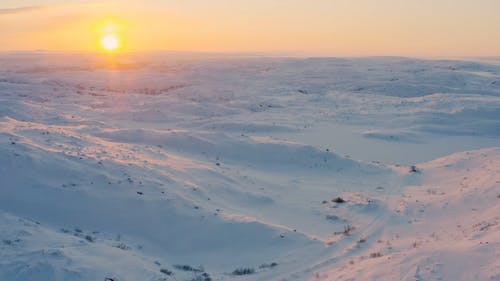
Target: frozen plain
point(177, 166)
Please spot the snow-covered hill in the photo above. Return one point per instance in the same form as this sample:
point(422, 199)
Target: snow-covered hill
point(175, 166)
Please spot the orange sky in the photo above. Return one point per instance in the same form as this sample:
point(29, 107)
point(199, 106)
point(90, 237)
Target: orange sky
point(312, 27)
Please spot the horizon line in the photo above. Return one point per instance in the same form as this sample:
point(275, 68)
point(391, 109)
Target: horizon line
point(276, 54)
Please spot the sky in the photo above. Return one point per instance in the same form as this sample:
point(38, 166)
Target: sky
point(310, 27)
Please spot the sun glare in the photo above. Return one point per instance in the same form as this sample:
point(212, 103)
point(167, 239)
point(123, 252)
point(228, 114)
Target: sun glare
point(110, 42)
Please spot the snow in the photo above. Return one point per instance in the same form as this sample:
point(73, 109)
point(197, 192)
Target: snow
point(128, 166)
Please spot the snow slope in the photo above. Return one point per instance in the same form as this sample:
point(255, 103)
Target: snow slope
point(171, 166)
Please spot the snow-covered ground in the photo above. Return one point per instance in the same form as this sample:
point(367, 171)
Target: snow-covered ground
point(172, 166)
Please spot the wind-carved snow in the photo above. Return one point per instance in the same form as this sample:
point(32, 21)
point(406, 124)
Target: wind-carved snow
point(174, 166)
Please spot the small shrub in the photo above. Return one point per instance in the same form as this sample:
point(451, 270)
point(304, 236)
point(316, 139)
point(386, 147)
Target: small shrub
point(166, 271)
point(185, 267)
point(338, 200)
point(268, 265)
point(122, 246)
point(11, 242)
point(375, 255)
point(244, 271)
point(348, 229)
point(332, 217)
point(89, 238)
point(206, 277)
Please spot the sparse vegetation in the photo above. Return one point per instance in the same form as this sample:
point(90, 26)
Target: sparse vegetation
point(338, 200)
point(203, 277)
point(243, 271)
point(90, 238)
point(11, 242)
point(64, 230)
point(283, 206)
point(185, 267)
point(375, 255)
point(166, 271)
point(206, 277)
point(122, 246)
point(268, 265)
point(347, 230)
point(332, 217)
point(413, 169)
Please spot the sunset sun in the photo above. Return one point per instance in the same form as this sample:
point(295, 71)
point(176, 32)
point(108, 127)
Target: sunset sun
point(110, 42)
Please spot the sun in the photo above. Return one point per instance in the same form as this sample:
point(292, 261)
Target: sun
point(110, 42)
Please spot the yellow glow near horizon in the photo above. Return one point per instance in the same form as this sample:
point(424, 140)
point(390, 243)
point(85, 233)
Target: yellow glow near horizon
point(320, 27)
point(110, 42)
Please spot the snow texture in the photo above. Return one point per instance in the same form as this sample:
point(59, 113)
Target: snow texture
point(178, 166)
